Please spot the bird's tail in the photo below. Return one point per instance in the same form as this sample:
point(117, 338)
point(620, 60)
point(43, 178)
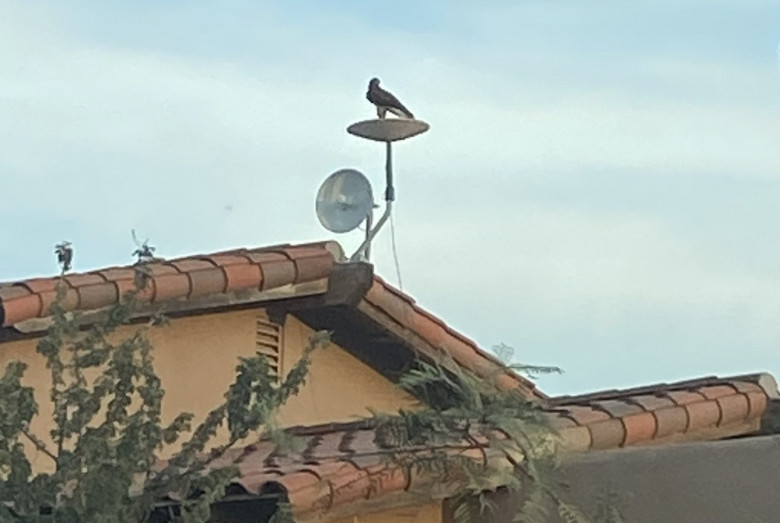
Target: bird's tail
point(401, 111)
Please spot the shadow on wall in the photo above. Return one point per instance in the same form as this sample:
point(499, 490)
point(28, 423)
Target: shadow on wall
point(717, 482)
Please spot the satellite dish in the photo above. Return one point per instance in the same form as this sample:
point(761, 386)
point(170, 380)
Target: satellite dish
point(344, 200)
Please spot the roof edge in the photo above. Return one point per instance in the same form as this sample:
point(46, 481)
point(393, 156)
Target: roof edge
point(220, 277)
point(430, 336)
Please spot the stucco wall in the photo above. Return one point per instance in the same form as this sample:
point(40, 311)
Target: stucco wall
point(340, 387)
point(196, 358)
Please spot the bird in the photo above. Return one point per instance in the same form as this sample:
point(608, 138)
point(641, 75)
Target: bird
point(385, 101)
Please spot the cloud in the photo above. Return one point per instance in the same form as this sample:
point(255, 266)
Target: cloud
point(562, 196)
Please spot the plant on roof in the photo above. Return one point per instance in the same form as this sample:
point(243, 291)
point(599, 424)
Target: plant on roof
point(104, 454)
point(470, 438)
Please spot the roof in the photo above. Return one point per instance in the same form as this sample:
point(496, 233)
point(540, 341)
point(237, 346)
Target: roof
point(700, 409)
point(264, 274)
point(430, 335)
point(261, 269)
point(341, 468)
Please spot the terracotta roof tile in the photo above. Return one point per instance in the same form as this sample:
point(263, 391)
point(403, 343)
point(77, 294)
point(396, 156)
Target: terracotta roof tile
point(97, 295)
point(428, 329)
point(263, 269)
point(207, 281)
point(651, 402)
point(398, 309)
point(303, 488)
point(683, 397)
point(349, 483)
point(408, 317)
point(309, 262)
point(712, 392)
point(341, 466)
point(746, 386)
point(758, 403)
point(277, 269)
point(70, 301)
point(38, 285)
point(560, 422)
point(224, 260)
point(118, 273)
point(339, 480)
point(692, 409)
point(146, 294)
point(301, 480)
point(325, 446)
point(703, 414)
point(255, 459)
point(639, 428)
point(617, 408)
point(242, 276)
point(361, 441)
point(161, 269)
point(586, 415)
point(393, 480)
point(362, 460)
point(171, 286)
point(24, 307)
point(607, 434)
point(9, 292)
point(191, 264)
point(464, 353)
point(733, 408)
point(83, 280)
point(670, 421)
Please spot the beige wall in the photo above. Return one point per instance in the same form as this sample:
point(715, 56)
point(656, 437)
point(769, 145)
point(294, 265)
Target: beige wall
point(340, 387)
point(196, 356)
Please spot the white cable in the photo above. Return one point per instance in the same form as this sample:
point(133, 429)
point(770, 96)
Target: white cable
point(395, 254)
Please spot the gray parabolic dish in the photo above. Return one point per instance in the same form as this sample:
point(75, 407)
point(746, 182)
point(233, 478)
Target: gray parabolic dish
point(344, 200)
point(388, 129)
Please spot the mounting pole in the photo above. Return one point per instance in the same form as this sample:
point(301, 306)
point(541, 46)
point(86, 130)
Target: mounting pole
point(369, 224)
point(385, 130)
point(365, 247)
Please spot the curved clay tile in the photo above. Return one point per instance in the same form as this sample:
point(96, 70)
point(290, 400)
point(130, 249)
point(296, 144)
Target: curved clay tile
point(710, 408)
point(182, 278)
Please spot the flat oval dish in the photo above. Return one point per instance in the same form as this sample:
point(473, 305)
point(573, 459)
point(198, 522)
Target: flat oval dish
point(388, 129)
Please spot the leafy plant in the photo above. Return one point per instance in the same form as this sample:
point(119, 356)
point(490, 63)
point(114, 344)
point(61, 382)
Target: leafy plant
point(471, 437)
point(108, 437)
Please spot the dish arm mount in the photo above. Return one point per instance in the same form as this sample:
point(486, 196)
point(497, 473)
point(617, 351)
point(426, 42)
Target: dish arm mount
point(363, 252)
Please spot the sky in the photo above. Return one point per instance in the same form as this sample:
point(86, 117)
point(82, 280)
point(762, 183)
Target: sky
point(598, 188)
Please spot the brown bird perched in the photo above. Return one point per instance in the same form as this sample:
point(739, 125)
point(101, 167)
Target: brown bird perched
point(385, 101)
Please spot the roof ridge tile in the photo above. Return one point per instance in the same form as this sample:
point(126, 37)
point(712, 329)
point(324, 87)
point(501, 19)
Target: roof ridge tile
point(182, 277)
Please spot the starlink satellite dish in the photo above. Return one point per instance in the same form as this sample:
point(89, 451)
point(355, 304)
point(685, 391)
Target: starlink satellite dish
point(344, 200)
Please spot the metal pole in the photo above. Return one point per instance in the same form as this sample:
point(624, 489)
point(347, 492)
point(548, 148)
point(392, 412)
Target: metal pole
point(369, 224)
point(390, 190)
point(389, 198)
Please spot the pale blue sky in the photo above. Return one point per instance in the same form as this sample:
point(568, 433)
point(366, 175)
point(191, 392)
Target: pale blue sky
point(598, 188)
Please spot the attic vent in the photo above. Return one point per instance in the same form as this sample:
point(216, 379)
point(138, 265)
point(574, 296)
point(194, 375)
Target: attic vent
point(268, 340)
